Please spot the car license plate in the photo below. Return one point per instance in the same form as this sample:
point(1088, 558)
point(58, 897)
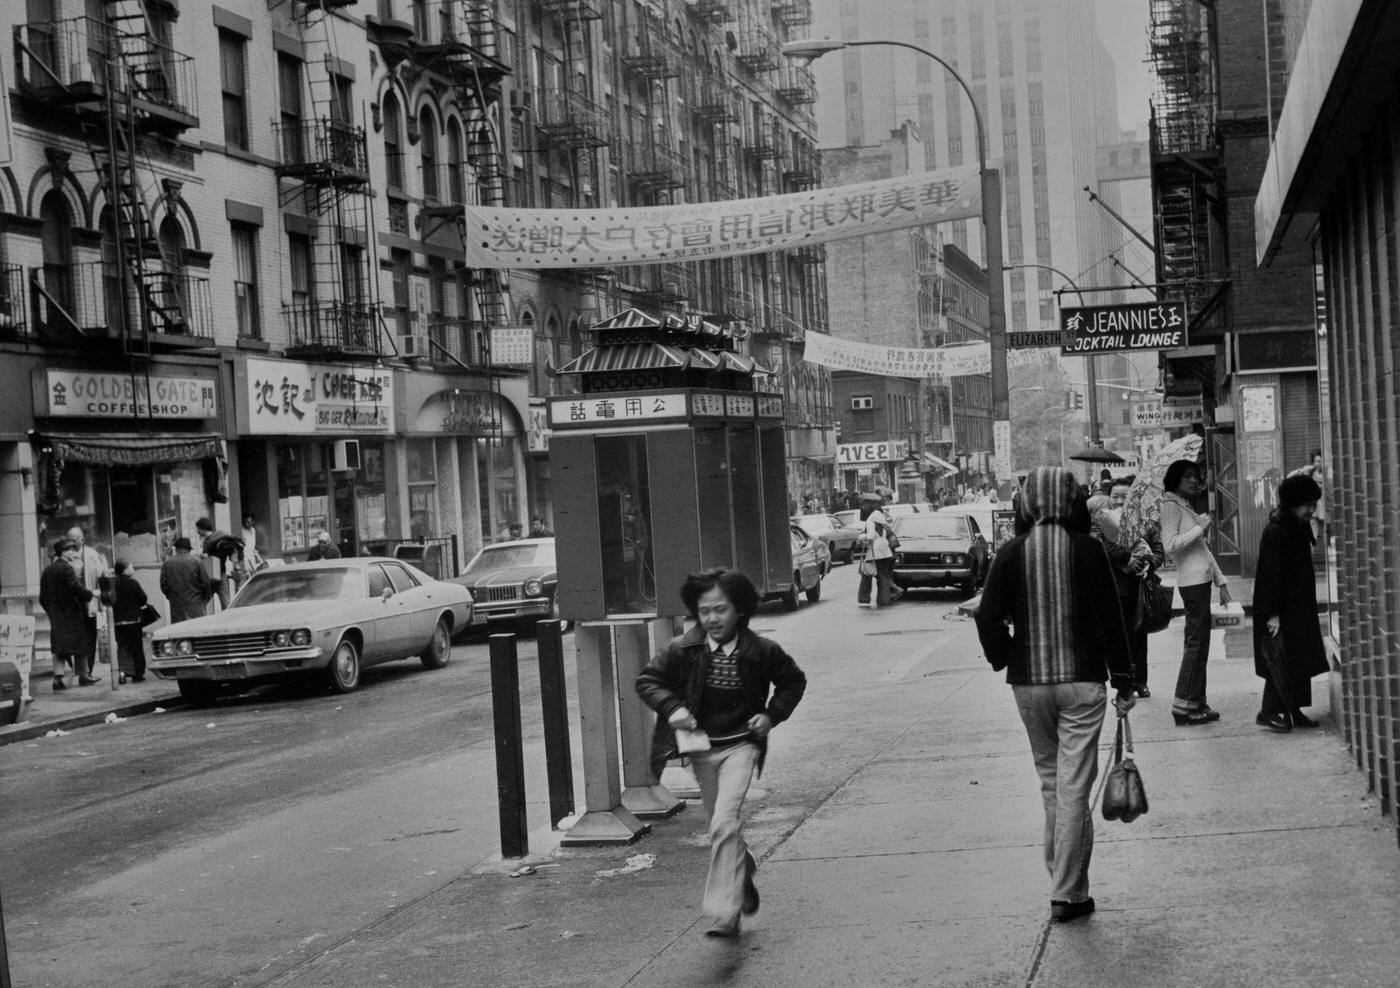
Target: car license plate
point(226, 672)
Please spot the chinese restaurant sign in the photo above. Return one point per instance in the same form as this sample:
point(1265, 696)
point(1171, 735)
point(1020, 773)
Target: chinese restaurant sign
point(504, 237)
point(1132, 326)
point(287, 397)
point(859, 454)
point(135, 395)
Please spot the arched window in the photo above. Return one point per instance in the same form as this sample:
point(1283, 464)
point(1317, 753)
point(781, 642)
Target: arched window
point(456, 180)
point(172, 248)
point(56, 225)
point(428, 152)
point(393, 142)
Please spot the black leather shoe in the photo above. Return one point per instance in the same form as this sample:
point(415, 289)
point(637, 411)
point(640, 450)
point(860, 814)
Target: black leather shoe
point(86, 681)
point(1142, 691)
point(1301, 719)
point(1279, 723)
point(750, 904)
point(1194, 717)
point(1061, 911)
point(59, 684)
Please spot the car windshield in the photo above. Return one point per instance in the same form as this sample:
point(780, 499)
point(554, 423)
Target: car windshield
point(930, 526)
point(816, 523)
point(510, 556)
point(286, 586)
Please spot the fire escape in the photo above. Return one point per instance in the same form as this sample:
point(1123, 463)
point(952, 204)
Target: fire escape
point(112, 78)
point(1187, 172)
point(654, 164)
point(466, 49)
point(324, 161)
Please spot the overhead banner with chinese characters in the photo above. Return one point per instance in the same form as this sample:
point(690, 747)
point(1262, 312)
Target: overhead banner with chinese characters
point(896, 361)
point(502, 237)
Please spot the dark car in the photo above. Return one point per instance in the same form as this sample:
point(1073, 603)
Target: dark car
point(839, 538)
point(940, 550)
point(512, 583)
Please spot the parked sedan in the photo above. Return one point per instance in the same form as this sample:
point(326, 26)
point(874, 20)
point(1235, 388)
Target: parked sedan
point(839, 538)
point(513, 583)
point(807, 571)
point(328, 618)
point(940, 550)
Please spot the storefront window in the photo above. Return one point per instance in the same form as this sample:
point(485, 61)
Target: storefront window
point(496, 476)
point(291, 506)
point(422, 489)
point(370, 508)
point(317, 489)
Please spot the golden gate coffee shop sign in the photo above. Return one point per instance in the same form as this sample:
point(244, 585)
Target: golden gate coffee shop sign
point(291, 398)
point(1092, 329)
point(102, 394)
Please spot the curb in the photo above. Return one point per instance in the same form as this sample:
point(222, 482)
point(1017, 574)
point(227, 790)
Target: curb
point(27, 732)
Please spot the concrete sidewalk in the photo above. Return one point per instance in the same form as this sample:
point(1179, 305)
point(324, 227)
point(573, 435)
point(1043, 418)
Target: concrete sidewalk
point(898, 828)
point(81, 706)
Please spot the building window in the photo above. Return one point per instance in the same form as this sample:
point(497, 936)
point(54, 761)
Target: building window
point(422, 489)
point(56, 237)
point(245, 279)
point(428, 155)
point(299, 263)
point(456, 178)
point(402, 262)
point(393, 142)
point(289, 100)
point(233, 70)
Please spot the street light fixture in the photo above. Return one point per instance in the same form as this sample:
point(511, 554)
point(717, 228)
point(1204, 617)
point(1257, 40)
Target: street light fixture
point(804, 52)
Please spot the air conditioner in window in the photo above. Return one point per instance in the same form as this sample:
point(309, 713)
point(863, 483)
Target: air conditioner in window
point(859, 402)
point(522, 99)
point(413, 346)
point(345, 454)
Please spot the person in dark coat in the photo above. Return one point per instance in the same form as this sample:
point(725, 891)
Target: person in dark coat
point(1285, 609)
point(1130, 565)
point(721, 679)
point(65, 600)
point(184, 583)
point(129, 598)
point(323, 549)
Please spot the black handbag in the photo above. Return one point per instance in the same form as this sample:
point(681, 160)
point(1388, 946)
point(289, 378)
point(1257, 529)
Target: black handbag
point(149, 615)
point(1154, 604)
point(1124, 797)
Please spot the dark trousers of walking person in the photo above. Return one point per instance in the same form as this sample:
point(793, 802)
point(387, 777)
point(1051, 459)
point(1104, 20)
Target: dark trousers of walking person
point(1137, 640)
point(1191, 680)
point(131, 650)
point(86, 661)
point(885, 588)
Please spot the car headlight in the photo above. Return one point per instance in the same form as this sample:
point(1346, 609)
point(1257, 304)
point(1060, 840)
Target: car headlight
point(302, 636)
point(533, 588)
point(166, 647)
point(281, 639)
point(184, 647)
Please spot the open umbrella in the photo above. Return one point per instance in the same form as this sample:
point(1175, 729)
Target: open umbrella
point(1097, 454)
point(1143, 507)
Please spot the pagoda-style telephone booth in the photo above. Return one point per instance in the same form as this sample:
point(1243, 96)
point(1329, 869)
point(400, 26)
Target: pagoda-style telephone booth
point(668, 462)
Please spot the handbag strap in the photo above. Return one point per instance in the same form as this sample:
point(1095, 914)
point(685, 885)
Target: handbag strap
point(1125, 733)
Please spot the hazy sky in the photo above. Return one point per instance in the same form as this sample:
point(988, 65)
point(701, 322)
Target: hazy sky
point(1123, 28)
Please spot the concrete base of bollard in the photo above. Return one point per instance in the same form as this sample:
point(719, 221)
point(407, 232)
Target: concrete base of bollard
point(680, 781)
point(615, 826)
point(651, 802)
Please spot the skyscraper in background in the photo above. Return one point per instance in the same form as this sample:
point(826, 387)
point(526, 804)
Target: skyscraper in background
point(1045, 85)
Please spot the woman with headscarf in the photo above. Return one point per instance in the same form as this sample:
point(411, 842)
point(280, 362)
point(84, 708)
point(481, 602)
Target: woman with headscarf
point(1184, 539)
point(1285, 609)
point(1048, 616)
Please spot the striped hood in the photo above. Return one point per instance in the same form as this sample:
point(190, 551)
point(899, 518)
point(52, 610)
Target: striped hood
point(1050, 494)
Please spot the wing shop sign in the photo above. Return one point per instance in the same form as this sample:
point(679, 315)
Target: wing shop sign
point(1129, 326)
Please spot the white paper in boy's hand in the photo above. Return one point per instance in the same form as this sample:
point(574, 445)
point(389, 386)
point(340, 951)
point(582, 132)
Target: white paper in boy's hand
point(688, 741)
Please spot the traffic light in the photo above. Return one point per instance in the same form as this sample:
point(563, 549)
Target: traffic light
point(1074, 400)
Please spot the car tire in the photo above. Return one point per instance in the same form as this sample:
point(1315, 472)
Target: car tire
point(439, 649)
point(814, 593)
point(789, 597)
point(198, 693)
point(343, 672)
point(850, 554)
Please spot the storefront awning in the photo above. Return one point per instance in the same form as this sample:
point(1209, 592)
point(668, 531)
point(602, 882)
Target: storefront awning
point(133, 449)
point(932, 462)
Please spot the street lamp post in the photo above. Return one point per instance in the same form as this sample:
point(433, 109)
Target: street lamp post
point(807, 50)
point(1090, 376)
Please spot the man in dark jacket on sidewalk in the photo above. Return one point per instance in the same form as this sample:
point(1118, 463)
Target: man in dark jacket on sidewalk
point(1049, 616)
point(65, 600)
point(184, 583)
point(711, 685)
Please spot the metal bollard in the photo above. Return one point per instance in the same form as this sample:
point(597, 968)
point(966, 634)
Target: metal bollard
point(510, 756)
point(558, 756)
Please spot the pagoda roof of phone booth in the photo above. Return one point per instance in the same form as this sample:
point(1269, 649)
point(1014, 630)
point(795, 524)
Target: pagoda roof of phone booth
point(653, 356)
point(636, 326)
